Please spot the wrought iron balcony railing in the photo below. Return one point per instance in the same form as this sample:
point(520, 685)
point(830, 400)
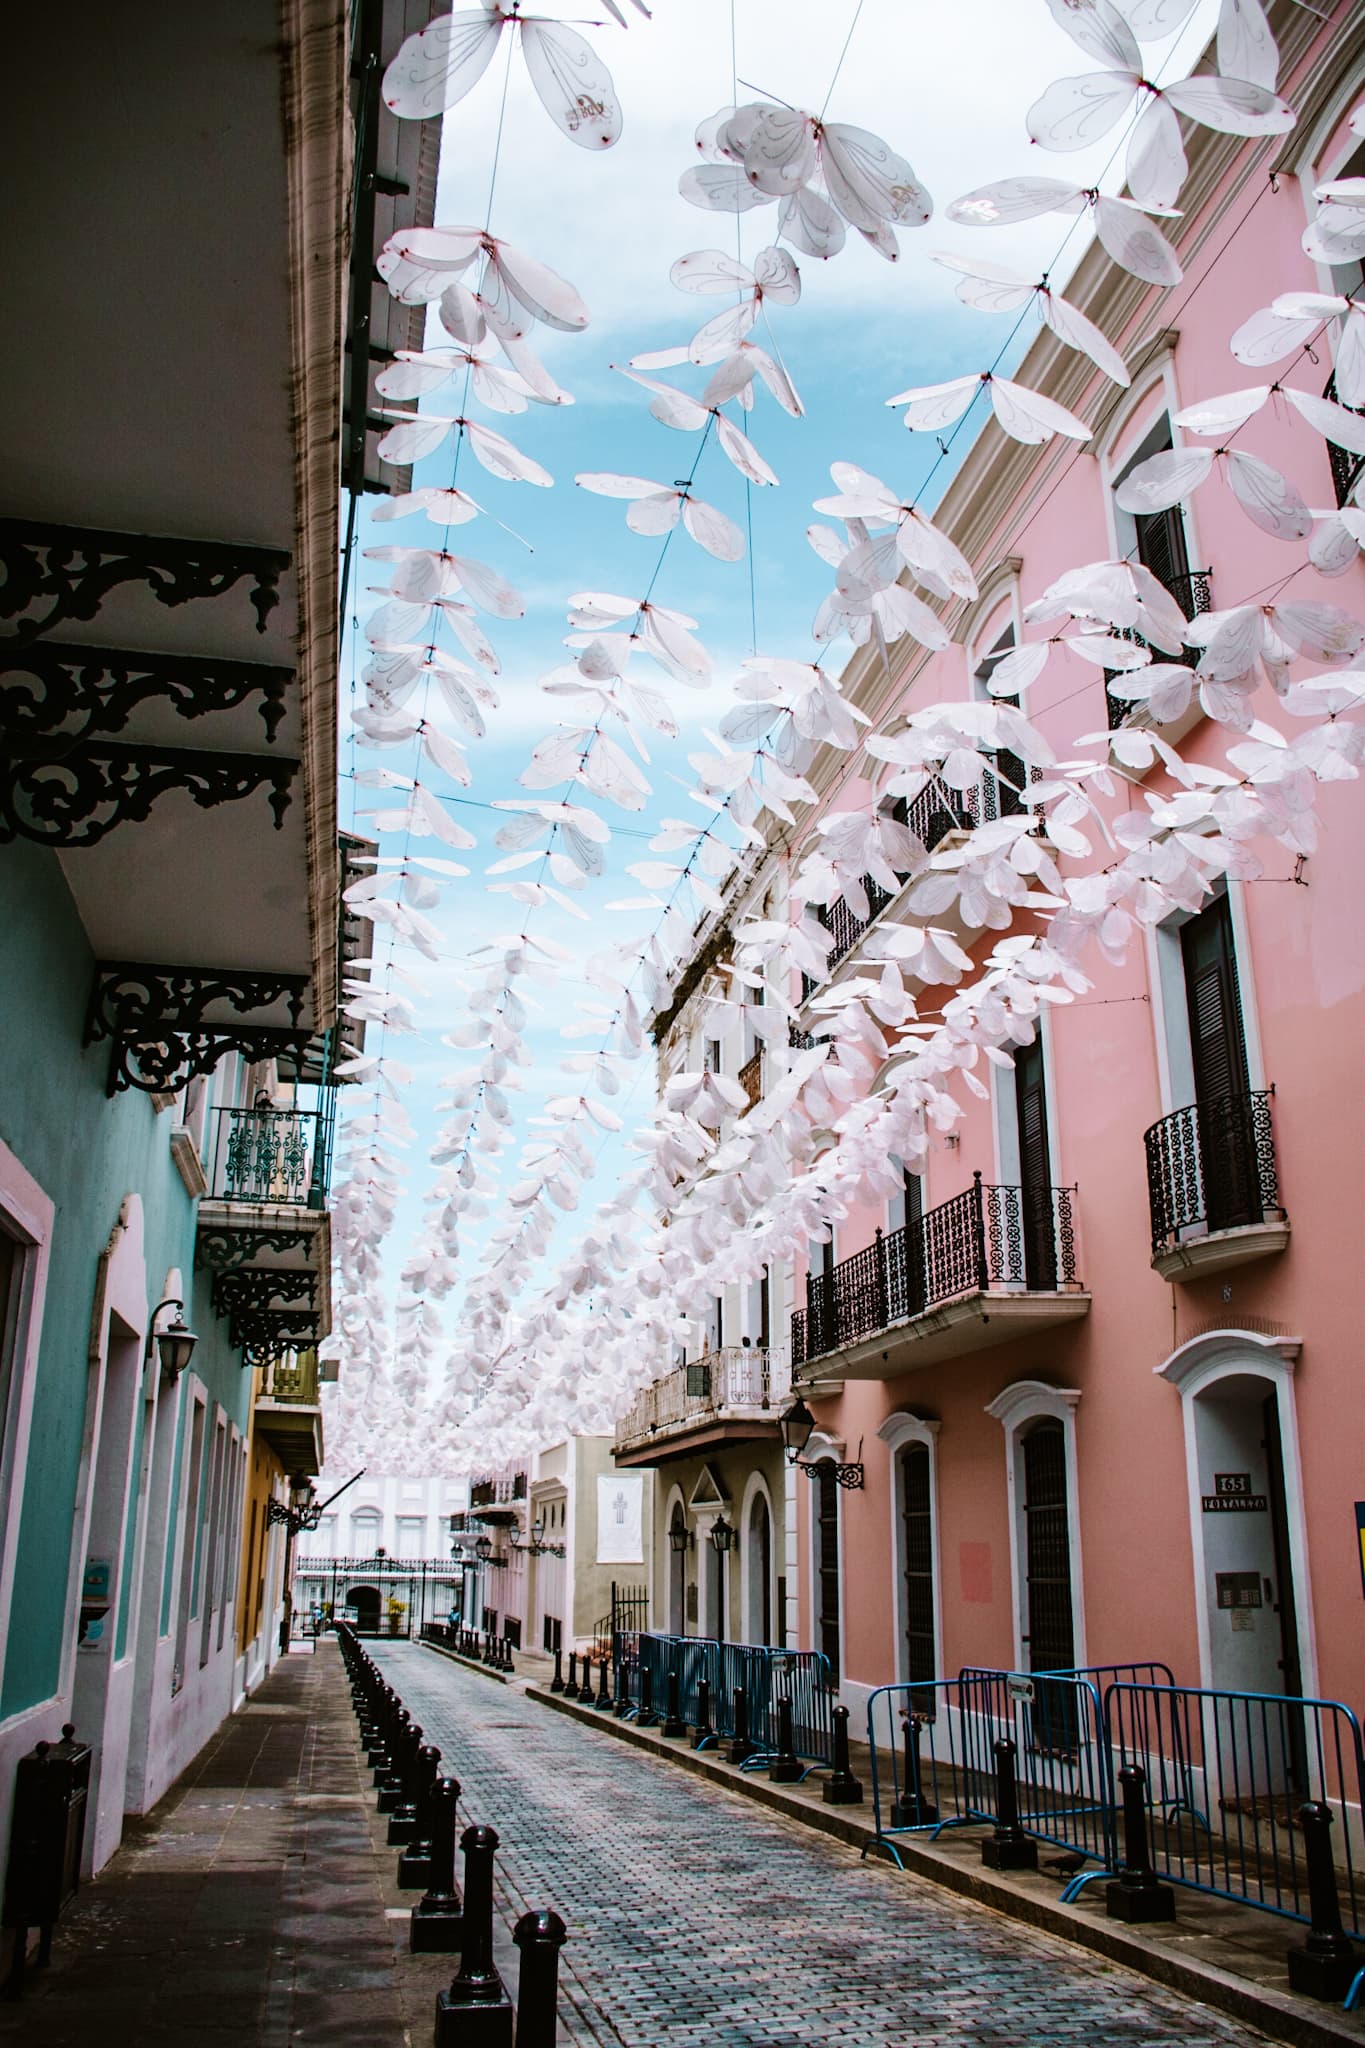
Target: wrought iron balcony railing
point(293, 1378)
point(1194, 595)
point(986, 1237)
point(1346, 465)
point(272, 1155)
point(738, 1382)
point(489, 1493)
point(1212, 1167)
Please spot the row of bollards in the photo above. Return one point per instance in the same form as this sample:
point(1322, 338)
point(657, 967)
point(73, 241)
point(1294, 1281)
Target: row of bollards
point(477, 1646)
point(476, 2011)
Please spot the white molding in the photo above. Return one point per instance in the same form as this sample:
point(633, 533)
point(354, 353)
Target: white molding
point(1016, 1406)
point(750, 1622)
point(899, 1429)
point(1192, 1369)
point(28, 1214)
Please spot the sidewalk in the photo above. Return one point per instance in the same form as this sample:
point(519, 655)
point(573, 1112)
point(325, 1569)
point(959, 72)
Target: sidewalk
point(255, 1906)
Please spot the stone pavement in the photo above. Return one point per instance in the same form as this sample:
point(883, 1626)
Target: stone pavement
point(697, 1919)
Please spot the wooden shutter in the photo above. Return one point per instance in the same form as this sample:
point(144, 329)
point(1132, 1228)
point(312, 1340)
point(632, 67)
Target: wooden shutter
point(1217, 1041)
point(917, 1525)
point(827, 1552)
point(1161, 548)
point(1035, 1168)
point(1047, 1566)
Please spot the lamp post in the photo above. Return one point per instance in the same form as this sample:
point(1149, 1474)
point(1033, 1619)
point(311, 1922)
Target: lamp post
point(796, 1426)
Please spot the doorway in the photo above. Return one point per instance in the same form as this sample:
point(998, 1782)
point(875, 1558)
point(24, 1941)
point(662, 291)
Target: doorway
point(365, 1601)
point(758, 1572)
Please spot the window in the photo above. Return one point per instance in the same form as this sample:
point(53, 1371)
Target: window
point(1040, 1468)
point(1160, 542)
point(1035, 1166)
point(917, 1573)
point(412, 1535)
point(1224, 1111)
point(827, 1564)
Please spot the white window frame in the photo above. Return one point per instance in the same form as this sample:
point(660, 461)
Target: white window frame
point(28, 1216)
point(750, 1623)
point(896, 1432)
point(1170, 1010)
point(1021, 1403)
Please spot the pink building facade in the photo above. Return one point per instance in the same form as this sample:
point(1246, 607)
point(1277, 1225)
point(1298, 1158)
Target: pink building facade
point(1040, 1461)
point(1101, 1364)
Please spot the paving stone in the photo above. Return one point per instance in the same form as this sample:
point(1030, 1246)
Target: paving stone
point(698, 1921)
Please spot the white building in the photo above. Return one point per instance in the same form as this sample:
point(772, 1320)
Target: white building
point(380, 1554)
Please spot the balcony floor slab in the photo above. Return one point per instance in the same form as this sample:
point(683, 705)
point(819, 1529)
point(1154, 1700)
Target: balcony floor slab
point(1218, 1250)
point(950, 1329)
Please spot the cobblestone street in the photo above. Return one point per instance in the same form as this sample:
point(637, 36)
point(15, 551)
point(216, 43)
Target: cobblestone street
point(697, 1920)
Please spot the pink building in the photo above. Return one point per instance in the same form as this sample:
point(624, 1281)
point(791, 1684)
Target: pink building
point(1102, 1363)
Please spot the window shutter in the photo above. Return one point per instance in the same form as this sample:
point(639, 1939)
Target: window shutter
point(1217, 1040)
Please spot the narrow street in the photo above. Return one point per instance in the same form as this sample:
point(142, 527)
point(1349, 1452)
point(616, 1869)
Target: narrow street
point(696, 1919)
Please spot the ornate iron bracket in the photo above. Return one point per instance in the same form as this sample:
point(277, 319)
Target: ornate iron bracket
point(263, 1334)
point(75, 568)
point(46, 685)
point(221, 1248)
point(244, 1290)
point(76, 797)
point(156, 1019)
point(293, 1519)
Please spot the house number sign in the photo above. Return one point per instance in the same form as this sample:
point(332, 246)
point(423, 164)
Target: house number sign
point(1231, 1491)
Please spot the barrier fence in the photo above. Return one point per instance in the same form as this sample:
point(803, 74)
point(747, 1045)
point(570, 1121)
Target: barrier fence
point(767, 1677)
point(1225, 1774)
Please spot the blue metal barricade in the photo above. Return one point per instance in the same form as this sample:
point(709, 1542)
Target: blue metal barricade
point(1226, 1774)
point(1064, 1784)
point(769, 1675)
point(921, 1782)
point(692, 1657)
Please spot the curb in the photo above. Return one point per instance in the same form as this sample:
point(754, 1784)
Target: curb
point(1277, 2013)
point(465, 1663)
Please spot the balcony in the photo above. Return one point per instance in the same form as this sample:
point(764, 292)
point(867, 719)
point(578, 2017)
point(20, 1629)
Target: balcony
point(492, 1501)
point(1347, 466)
point(750, 1078)
point(262, 1225)
point(733, 1395)
point(992, 1264)
point(1213, 1187)
point(280, 1156)
point(288, 1413)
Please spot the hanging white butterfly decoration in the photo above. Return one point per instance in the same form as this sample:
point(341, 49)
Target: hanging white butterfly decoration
point(994, 289)
point(655, 509)
point(1123, 227)
point(435, 68)
point(1025, 415)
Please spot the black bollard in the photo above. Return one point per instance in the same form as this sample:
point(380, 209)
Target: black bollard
point(508, 1661)
point(674, 1728)
point(437, 1926)
point(571, 1689)
point(557, 1682)
point(622, 1707)
point(702, 1731)
point(603, 1701)
point(739, 1748)
point(390, 1782)
point(401, 1809)
point(841, 1788)
point(585, 1679)
point(414, 1865)
point(647, 1716)
point(476, 2011)
point(540, 1937)
point(912, 1809)
point(1136, 1893)
point(1324, 1963)
point(786, 1767)
point(1009, 1848)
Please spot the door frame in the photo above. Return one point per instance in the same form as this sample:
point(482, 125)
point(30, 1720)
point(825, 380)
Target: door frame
point(1014, 1409)
point(896, 1432)
point(1192, 1369)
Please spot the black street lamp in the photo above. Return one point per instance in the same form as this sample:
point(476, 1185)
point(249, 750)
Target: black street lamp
point(723, 1537)
point(679, 1538)
point(796, 1426)
point(175, 1344)
point(483, 1549)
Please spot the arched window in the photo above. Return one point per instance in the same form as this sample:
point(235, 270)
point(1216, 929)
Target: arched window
point(827, 1563)
point(1051, 1638)
point(758, 1571)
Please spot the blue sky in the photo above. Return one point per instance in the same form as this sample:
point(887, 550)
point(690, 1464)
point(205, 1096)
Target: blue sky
point(947, 87)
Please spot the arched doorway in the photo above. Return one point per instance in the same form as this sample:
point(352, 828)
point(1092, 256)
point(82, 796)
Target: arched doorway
point(365, 1601)
point(1250, 1598)
point(758, 1571)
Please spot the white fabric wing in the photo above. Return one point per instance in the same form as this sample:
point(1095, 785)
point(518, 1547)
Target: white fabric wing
point(1027, 416)
point(742, 452)
point(1246, 48)
point(931, 406)
point(542, 291)
point(573, 84)
point(1012, 199)
point(811, 224)
point(1135, 243)
point(1233, 105)
point(1271, 334)
point(1073, 327)
point(437, 67)
point(1163, 480)
point(1100, 30)
point(710, 270)
point(868, 182)
point(1223, 415)
point(721, 188)
point(1156, 162)
point(1269, 500)
point(1152, 19)
point(501, 458)
point(711, 530)
point(1074, 112)
point(1345, 429)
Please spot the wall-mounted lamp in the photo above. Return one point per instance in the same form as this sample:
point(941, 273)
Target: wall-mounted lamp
point(679, 1539)
point(175, 1344)
point(796, 1426)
